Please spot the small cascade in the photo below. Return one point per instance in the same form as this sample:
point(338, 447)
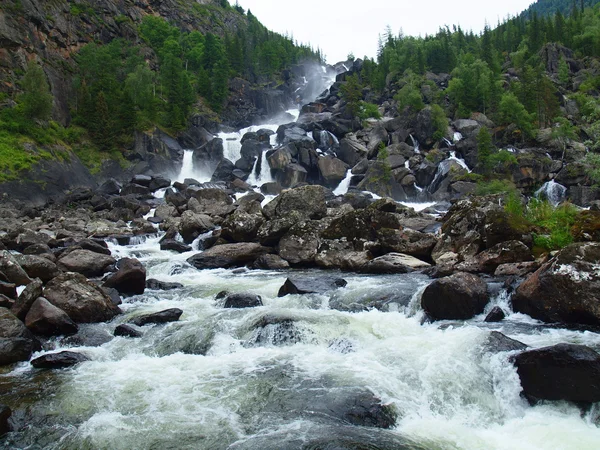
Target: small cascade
point(344, 184)
point(415, 144)
point(457, 137)
point(261, 172)
point(460, 161)
point(188, 171)
point(442, 171)
point(552, 191)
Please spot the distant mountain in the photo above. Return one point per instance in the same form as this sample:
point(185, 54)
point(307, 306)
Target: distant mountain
point(550, 7)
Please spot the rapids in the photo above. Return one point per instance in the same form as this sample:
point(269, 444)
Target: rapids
point(214, 380)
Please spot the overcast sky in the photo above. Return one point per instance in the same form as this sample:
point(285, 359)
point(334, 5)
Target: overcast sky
point(339, 27)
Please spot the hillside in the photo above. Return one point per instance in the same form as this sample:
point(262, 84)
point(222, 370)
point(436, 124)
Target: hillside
point(550, 7)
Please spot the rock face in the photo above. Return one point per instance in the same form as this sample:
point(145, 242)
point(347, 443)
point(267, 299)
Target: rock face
point(565, 289)
point(47, 320)
point(58, 360)
point(168, 315)
point(16, 341)
point(83, 301)
point(130, 278)
point(460, 297)
point(228, 255)
point(561, 372)
point(86, 262)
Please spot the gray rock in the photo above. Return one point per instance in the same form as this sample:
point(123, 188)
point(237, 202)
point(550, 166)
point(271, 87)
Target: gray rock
point(47, 320)
point(86, 262)
point(58, 360)
point(166, 316)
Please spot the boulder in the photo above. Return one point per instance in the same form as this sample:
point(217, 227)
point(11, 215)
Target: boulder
point(13, 271)
point(310, 285)
point(58, 360)
point(561, 372)
point(407, 241)
point(47, 320)
point(125, 330)
point(332, 170)
point(242, 301)
point(193, 225)
point(94, 245)
point(564, 289)
point(309, 202)
point(495, 315)
point(86, 262)
point(498, 342)
point(29, 295)
point(393, 263)
point(351, 151)
point(38, 267)
point(16, 341)
point(301, 243)
point(157, 285)
point(228, 255)
point(166, 316)
point(459, 297)
point(176, 246)
point(241, 226)
point(83, 301)
point(509, 252)
point(130, 278)
point(270, 262)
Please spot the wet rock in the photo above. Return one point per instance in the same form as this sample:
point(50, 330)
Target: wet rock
point(332, 170)
point(5, 413)
point(241, 226)
point(228, 255)
point(176, 246)
point(301, 243)
point(498, 342)
point(168, 315)
point(8, 289)
point(130, 278)
point(460, 296)
point(88, 336)
point(274, 330)
point(193, 225)
point(393, 263)
point(564, 289)
point(114, 295)
point(94, 245)
point(157, 285)
point(16, 341)
point(25, 300)
point(270, 262)
point(12, 270)
point(110, 187)
point(125, 330)
point(310, 285)
point(82, 300)
point(495, 315)
point(38, 267)
point(308, 202)
point(86, 262)
point(58, 360)
point(340, 254)
point(516, 269)
point(46, 319)
point(242, 301)
point(561, 372)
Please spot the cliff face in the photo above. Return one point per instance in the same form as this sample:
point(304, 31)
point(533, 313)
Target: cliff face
point(52, 31)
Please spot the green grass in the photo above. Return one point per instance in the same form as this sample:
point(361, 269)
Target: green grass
point(13, 157)
point(555, 222)
point(495, 187)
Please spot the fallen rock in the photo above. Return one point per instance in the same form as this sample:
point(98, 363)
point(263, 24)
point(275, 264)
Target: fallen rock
point(47, 320)
point(564, 289)
point(561, 372)
point(168, 315)
point(242, 301)
point(130, 278)
point(310, 285)
point(58, 360)
point(83, 301)
point(29, 295)
point(157, 285)
point(460, 297)
point(86, 262)
point(125, 330)
point(228, 255)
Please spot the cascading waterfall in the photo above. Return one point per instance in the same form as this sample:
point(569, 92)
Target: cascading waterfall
point(415, 144)
point(188, 170)
point(552, 191)
point(342, 188)
point(461, 162)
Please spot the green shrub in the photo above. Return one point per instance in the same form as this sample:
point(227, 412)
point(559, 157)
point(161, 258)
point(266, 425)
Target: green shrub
point(495, 187)
point(368, 111)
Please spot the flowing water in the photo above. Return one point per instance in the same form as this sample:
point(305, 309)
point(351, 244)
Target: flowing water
point(217, 379)
point(552, 191)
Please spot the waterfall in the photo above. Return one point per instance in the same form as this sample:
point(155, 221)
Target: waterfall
point(460, 161)
point(188, 170)
point(553, 192)
point(344, 184)
point(261, 171)
point(457, 137)
point(415, 144)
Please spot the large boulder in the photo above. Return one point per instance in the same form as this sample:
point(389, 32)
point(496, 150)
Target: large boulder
point(86, 262)
point(47, 320)
point(16, 341)
point(242, 226)
point(58, 360)
point(320, 285)
point(29, 295)
point(561, 372)
point(460, 297)
point(38, 267)
point(129, 279)
point(193, 225)
point(393, 263)
point(301, 243)
point(351, 151)
point(309, 202)
point(228, 255)
point(212, 201)
point(332, 170)
point(564, 289)
point(83, 301)
point(13, 271)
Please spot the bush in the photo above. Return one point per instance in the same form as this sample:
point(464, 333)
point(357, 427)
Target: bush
point(368, 111)
point(555, 222)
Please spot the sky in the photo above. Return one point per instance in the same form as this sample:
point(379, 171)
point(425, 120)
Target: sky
point(340, 27)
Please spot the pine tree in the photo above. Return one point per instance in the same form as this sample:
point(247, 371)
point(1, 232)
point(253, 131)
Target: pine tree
point(36, 99)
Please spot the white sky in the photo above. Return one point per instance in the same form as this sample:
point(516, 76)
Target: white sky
point(339, 27)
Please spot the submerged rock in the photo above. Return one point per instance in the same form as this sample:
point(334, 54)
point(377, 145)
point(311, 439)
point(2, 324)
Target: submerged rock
point(460, 296)
point(561, 372)
point(310, 285)
point(58, 360)
point(157, 285)
point(125, 330)
point(168, 315)
point(242, 301)
point(498, 342)
point(495, 315)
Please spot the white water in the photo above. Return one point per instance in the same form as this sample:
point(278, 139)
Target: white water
point(265, 171)
point(554, 192)
point(457, 137)
point(188, 171)
point(344, 184)
point(460, 161)
point(159, 391)
point(415, 144)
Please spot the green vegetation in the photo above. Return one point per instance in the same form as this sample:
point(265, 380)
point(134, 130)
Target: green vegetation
point(368, 111)
point(555, 223)
point(351, 92)
point(495, 187)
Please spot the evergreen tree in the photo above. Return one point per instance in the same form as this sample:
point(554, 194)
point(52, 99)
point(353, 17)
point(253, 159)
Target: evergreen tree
point(36, 99)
